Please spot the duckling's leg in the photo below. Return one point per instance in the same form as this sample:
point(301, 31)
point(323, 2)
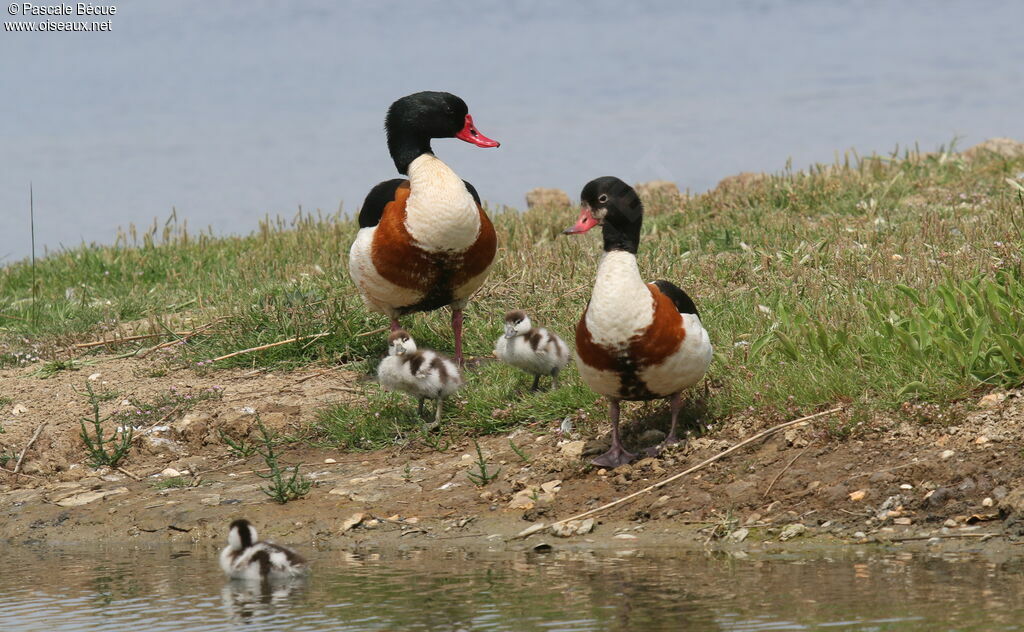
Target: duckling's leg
point(437, 412)
point(394, 324)
point(617, 455)
point(420, 410)
point(536, 382)
point(457, 328)
point(554, 379)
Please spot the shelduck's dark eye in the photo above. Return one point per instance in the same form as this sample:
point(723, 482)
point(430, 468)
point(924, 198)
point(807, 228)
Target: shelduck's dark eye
point(603, 198)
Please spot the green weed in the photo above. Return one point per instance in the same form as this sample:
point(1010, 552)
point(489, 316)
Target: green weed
point(103, 449)
point(282, 488)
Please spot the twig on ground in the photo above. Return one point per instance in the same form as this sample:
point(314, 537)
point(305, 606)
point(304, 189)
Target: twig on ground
point(788, 465)
point(317, 374)
point(702, 464)
point(273, 344)
point(378, 330)
point(21, 457)
point(129, 474)
point(115, 341)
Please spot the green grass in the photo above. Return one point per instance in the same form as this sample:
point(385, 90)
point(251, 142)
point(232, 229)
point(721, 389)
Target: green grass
point(872, 281)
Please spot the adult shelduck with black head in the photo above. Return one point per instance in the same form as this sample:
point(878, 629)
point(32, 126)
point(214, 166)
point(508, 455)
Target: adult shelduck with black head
point(423, 243)
point(636, 340)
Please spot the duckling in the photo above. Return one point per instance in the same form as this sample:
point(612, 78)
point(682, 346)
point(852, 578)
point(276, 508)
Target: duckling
point(247, 558)
point(422, 373)
point(532, 349)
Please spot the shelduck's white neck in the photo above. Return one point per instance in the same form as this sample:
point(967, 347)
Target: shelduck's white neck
point(621, 305)
point(440, 213)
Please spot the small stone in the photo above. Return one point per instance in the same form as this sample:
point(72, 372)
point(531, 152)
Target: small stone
point(624, 536)
point(339, 491)
point(949, 523)
point(602, 472)
point(660, 502)
point(565, 529)
point(792, 531)
point(19, 409)
point(981, 440)
point(991, 400)
point(551, 486)
point(902, 521)
point(94, 377)
point(858, 495)
point(906, 486)
point(573, 449)
point(946, 454)
point(352, 521)
point(530, 530)
point(585, 527)
point(987, 502)
point(329, 461)
point(211, 500)
point(860, 535)
point(170, 472)
point(738, 535)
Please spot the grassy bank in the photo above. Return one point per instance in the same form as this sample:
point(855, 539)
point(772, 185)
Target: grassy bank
point(876, 281)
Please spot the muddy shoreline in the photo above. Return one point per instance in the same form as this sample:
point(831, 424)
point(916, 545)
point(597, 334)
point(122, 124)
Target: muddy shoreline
point(954, 483)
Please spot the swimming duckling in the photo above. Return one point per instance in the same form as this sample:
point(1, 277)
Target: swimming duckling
point(246, 558)
point(421, 373)
point(532, 349)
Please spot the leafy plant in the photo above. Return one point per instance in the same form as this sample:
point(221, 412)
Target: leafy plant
point(175, 482)
point(239, 448)
point(282, 488)
point(103, 449)
point(523, 456)
point(481, 476)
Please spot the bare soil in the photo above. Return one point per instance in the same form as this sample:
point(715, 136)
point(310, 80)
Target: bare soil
point(938, 476)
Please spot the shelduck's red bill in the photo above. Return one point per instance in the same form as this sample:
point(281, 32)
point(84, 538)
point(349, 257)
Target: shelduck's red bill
point(471, 134)
point(585, 222)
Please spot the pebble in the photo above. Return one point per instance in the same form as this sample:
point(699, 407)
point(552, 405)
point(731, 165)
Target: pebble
point(946, 454)
point(792, 531)
point(94, 377)
point(739, 535)
point(906, 486)
point(860, 535)
point(329, 461)
point(624, 536)
point(170, 472)
point(902, 521)
point(949, 523)
point(987, 502)
point(858, 495)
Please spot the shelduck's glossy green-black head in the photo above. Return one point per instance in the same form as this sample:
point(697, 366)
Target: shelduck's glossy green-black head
point(415, 119)
point(614, 205)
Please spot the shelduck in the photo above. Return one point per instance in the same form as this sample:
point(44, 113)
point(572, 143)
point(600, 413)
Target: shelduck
point(245, 557)
point(532, 349)
point(422, 373)
point(635, 340)
point(423, 243)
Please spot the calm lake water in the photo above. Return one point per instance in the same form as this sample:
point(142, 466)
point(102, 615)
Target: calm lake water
point(156, 589)
point(228, 111)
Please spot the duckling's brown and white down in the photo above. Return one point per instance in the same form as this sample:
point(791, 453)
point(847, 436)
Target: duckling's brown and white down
point(247, 558)
point(636, 340)
point(422, 373)
point(532, 349)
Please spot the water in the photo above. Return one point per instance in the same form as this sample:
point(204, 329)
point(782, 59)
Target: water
point(156, 589)
point(227, 114)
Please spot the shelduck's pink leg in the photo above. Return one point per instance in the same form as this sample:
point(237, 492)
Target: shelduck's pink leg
point(457, 328)
point(674, 406)
point(394, 324)
point(617, 455)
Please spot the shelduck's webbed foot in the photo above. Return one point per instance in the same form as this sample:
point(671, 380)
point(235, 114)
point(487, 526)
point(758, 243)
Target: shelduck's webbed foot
point(614, 458)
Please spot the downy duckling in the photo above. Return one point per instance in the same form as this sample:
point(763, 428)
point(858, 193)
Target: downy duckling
point(532, 349)
point(247, 558)
point(422, 373)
